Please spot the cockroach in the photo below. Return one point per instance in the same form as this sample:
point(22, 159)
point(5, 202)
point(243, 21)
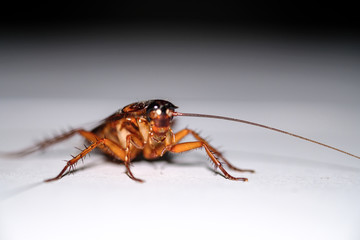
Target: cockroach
point(145, 127)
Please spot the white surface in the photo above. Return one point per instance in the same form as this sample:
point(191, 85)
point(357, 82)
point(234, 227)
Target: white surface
point(299, 190)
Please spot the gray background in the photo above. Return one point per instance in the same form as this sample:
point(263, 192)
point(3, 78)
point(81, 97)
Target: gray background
point(303, 84)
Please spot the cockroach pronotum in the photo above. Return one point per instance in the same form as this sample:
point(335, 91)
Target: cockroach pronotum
point(146, 127)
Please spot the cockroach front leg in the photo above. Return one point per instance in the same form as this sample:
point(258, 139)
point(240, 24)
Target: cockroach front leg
point(183, 133)
point(132, 139)
point(183, 147)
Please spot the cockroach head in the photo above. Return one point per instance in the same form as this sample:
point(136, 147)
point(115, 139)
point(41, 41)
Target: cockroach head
point(159, 113)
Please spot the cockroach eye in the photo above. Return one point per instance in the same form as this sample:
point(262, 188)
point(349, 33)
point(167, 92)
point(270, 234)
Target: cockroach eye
point(158, 111)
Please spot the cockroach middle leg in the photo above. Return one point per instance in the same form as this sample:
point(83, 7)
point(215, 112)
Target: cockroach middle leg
point(105, 144)
point(183, 133)
point(75, 159)
point(183, 147)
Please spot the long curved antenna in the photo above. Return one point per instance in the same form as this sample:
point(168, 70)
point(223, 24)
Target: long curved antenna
point(263, 126)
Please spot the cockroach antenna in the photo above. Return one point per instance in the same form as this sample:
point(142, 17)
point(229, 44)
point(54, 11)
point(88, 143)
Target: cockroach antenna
point(262, 126)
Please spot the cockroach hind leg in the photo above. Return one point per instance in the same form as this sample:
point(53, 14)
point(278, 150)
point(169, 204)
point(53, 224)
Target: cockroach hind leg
point(232, 167)
point(228, 176)
point(240, 170)
point(237, 178)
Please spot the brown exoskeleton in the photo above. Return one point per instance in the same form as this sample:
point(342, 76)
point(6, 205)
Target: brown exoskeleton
point(145, 127)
